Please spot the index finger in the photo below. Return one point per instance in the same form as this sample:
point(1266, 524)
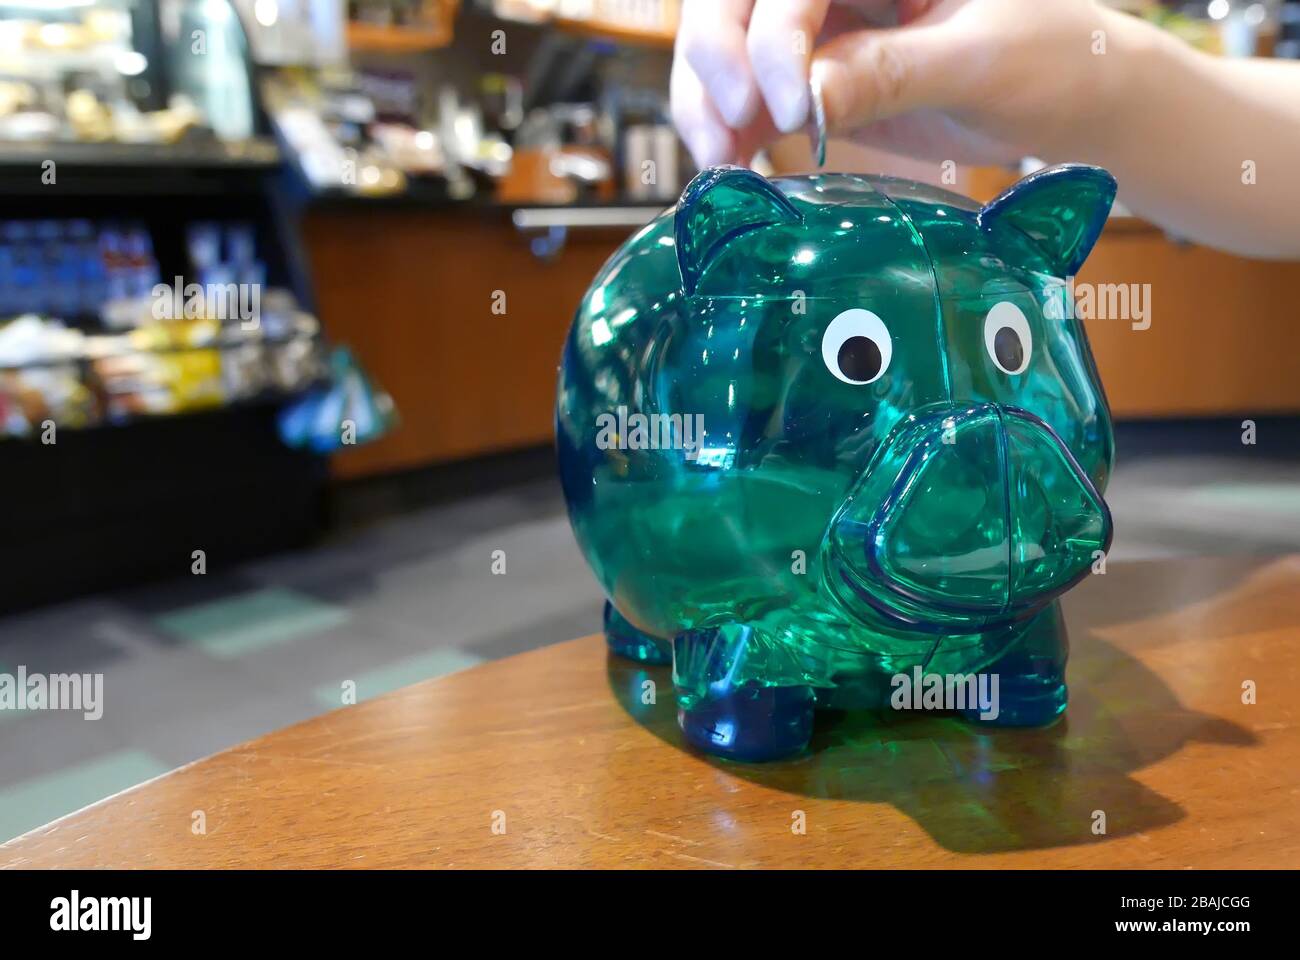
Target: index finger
point(711, 36)
point(781, 38)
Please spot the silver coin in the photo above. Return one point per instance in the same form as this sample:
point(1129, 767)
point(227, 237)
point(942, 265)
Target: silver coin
point(818, 121)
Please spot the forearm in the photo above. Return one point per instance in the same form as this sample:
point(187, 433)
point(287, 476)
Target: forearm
point(1206, 147)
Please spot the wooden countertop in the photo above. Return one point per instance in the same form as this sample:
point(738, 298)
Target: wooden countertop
point(558, 742)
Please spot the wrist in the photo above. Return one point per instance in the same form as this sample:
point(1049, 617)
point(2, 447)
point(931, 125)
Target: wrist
point(1140, 65)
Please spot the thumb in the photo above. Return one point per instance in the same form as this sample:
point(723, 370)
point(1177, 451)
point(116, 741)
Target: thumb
point(873, 75)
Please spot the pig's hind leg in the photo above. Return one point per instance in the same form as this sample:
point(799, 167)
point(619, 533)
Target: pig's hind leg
point(629, 642)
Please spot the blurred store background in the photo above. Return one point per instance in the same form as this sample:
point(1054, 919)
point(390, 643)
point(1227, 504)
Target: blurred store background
point(373, 220)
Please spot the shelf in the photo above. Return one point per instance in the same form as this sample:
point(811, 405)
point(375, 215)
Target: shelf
point(137, 170)
point(259, 153)
point(116, 388)
point(602, 20)
point(372, 38)
point(597, 29)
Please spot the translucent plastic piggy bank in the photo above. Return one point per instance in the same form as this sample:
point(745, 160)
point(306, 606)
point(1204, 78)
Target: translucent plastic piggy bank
point(825, 438)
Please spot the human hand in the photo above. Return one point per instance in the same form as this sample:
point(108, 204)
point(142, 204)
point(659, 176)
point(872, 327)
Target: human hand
point(973, 81)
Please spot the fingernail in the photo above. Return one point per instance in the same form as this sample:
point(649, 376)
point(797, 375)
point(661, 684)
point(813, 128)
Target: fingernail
point(735, 100)
point(789, 105)
point(821, 74)
point(708, 147)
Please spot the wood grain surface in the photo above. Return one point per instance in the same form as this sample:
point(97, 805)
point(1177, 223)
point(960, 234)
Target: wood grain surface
point(558, 746)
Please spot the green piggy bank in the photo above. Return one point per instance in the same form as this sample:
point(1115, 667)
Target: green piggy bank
point(838, 441)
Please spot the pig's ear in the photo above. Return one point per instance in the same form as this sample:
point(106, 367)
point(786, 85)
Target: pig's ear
point(720, 204)
point(1061, 209)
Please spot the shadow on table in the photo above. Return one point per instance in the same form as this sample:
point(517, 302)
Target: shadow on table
point(979, 790)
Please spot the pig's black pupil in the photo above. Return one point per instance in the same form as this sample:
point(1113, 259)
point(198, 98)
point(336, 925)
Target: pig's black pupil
point(1008, 349)
point(859, 358)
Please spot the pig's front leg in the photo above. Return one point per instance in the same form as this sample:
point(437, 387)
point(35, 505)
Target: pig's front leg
point(1030, 689)
point(741, 693)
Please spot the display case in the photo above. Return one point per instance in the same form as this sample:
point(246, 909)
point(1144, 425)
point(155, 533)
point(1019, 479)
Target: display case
point(155, 316)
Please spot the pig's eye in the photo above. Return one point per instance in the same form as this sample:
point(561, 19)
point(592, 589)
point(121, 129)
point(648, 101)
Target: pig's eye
point(856, 347)
point(1007, 339)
